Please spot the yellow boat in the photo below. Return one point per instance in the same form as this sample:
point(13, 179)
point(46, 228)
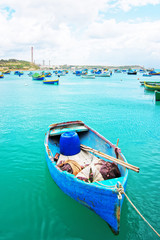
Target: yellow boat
point(6, 72)
point(152, 86)
point(56, 82)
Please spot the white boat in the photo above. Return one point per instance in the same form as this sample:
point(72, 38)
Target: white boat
point(61, 74)
point(88, 76)
point(146, 75)
point(105, 74)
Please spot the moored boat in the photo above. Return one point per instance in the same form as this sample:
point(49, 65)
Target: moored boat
point(151, 86)
point(117, 70)
point(18, 73)
point(88, 76)
point(47, 74)
point(68, 140)
point(154, 73)
point(148, 82)
point(1, 76)
point(146, 75)
point(56, 81)
point(61, 74)
point(37, 76)
point(78, 73)
point(105, 74)
point(30, 74)
point(6, 72)
point(132, 72)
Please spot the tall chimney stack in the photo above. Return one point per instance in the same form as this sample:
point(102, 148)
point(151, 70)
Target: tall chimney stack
point(31, 54)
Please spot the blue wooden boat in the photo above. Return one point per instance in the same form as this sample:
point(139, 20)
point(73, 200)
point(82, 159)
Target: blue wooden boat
point(132, 72)
point(47, 74)
point(146, 75)
point(78, 73)
point(37, 76)
point(103, 74)
point(30, 74)
point(1, 76)
point(154, 73)
point(6, 72)
point(118, 71)
point(103, 196)
point(18, 73)
point(55, 82)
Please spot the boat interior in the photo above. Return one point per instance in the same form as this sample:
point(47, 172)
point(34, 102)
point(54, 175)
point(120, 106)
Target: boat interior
point(85, 165)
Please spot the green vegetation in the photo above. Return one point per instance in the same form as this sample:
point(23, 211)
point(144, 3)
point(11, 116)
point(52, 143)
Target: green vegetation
point(13, 64)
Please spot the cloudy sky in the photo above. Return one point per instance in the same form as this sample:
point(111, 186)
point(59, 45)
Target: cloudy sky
point(99, 32)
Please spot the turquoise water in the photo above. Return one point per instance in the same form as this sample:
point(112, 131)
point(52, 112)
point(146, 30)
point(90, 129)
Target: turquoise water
point(32, 206)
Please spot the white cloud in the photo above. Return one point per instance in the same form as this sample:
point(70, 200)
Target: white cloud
point(74, 32)
point(126, 5)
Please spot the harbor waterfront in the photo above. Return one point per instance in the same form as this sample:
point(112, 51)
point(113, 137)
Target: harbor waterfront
point(32, 205)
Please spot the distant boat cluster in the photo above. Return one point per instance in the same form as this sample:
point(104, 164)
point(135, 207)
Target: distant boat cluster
point(52, 77)
point(84, 73)
point(152, 86)
point(93, 73)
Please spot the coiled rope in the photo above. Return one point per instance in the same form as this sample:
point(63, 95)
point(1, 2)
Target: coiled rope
point(120, 190)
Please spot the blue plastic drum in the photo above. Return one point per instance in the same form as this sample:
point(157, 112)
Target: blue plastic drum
point(69, 143)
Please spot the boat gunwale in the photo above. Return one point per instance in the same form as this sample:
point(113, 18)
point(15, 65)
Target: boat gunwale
point(151, 87)
point(82, 123)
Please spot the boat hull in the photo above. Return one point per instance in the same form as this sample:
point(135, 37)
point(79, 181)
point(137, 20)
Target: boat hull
point(155, 74)
point(55, 82)
point(103, 75)
point(48, 75)
point(101, 197)
point(132, 73)
point(147, 75)
point(151, 87)
point(38, 78)
point(88, 76)
point(6, 72)
point(18, 73)
point(157, 95)
point(149, 83)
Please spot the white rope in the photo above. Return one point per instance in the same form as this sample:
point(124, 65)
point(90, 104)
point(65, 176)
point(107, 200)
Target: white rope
point(121, 191)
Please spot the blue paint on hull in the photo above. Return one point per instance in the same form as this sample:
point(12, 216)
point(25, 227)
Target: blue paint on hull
point(39, 78)
point(102, 199)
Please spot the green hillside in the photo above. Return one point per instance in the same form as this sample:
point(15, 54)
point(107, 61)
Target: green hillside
point(13, 64)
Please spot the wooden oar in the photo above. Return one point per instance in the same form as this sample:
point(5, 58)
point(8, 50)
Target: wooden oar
point(104, 155)
point(117, 142)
